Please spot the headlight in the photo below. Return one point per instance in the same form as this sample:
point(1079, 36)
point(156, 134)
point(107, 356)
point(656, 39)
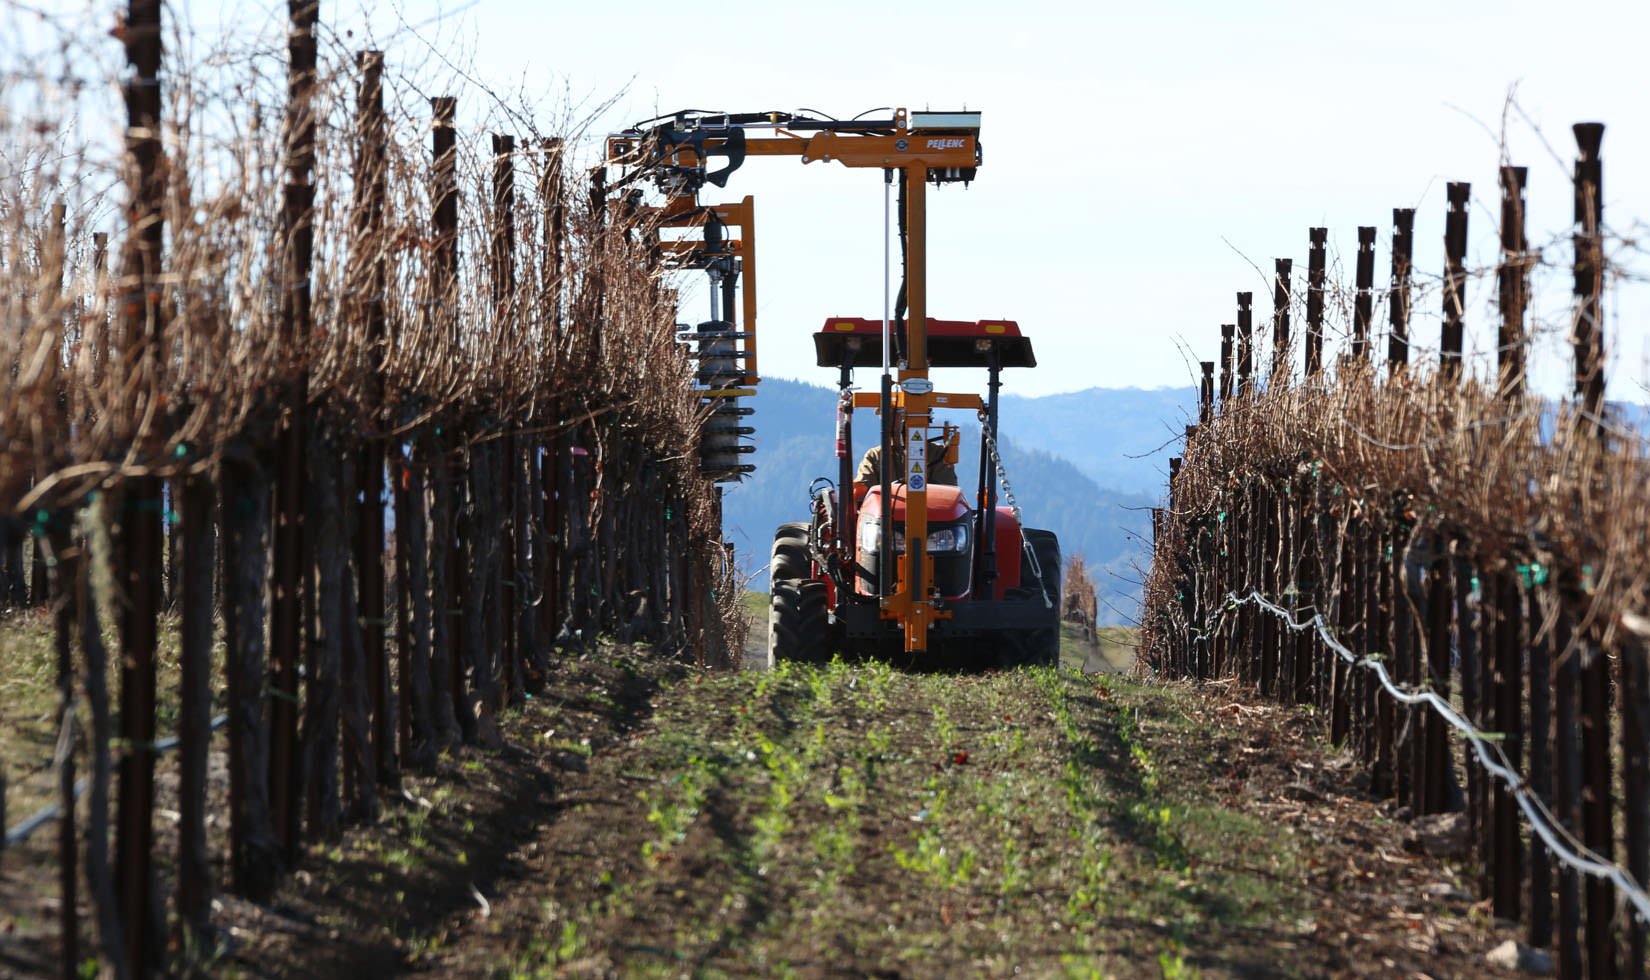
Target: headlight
point(941, 541)
point(948, 540)
point(870, 536)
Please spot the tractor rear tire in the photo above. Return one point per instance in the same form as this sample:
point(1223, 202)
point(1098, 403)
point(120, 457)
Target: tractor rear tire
point(799, 622)
point(790, 553)
point(1043, 645)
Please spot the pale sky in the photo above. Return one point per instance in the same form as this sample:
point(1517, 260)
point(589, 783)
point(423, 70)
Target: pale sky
point(1140, 159)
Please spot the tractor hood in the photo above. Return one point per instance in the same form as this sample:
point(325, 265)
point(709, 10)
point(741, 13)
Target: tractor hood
point(945, 503)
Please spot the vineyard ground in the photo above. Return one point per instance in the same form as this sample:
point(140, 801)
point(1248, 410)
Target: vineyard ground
point(654, 819)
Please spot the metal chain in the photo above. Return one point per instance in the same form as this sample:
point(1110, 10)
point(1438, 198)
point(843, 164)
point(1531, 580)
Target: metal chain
point(1013, 507)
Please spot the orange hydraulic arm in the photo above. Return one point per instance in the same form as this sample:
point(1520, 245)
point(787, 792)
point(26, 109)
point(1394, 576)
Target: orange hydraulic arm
point(921, 148)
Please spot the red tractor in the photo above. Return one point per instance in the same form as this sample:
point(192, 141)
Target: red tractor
point(960, 581)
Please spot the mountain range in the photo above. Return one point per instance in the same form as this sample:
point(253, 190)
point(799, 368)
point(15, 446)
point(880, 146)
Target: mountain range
point(1088, 465)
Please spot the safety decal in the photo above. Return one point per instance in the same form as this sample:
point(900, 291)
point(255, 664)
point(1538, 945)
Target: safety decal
point(917, 455)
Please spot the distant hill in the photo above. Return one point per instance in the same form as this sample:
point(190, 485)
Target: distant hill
point(1121, 438)
point(1107, 525)
point(1088, 465)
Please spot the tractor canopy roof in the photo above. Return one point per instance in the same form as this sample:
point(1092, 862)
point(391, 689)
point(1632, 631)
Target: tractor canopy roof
point(951, 343)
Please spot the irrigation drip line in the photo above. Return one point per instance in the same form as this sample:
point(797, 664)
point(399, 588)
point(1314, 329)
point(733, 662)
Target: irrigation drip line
point(1568, 850)
point(23, 831)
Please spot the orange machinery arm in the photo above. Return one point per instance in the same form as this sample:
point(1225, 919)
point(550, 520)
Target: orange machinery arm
point(922, 147)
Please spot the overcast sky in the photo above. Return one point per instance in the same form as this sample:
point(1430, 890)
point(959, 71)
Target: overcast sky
point(1141, 160)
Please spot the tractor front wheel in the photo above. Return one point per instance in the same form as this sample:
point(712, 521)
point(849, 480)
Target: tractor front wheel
point(798, 622)
point(790, 553)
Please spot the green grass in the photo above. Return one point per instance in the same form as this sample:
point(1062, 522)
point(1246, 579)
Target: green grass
point(30, 705)
point(871, 806)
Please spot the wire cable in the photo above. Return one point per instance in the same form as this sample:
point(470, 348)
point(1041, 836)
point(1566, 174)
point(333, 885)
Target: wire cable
point(1559, 841)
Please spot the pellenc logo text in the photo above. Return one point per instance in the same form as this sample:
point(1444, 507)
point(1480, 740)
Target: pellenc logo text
point(950, 144)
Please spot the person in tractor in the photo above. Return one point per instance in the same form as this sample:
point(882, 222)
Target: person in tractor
point(941, 461)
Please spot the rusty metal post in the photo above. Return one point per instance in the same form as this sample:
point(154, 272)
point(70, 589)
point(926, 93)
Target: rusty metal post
point(1315, 259)
point(371, 178)
point(1226, 332)
point(1403, 248)
point(1455, 281)
point(1364, 300)
point(1206, 394)
point(1513, 279)
point(1246, 345)
point(1282, 289)
point(140, 568)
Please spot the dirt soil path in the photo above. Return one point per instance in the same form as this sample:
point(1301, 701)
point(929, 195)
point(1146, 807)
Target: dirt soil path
point(858, 820)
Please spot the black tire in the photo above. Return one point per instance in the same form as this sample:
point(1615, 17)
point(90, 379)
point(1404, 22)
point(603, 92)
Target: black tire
point(790, 553)
point(1043, 645)
point(799, 622)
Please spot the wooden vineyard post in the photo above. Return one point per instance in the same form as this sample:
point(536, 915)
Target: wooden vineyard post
point(290, 562)
point(1227, 330)
point(368, 222)
point(1510, 668)
point(141, 327)
point(1455, 280)
point(502, 268)
point(196, 563)
point(1635, 741)
point(446, 558)
point(1281, 296)
point(1307, 592)
point(64, 574)
point(1567, 781)
point(1403, 244)
point(1541, 759)
point(1440, 619)
point(1588, 334)
point(1314, 300)
point(550, 193)
point(1346, 605)
point(1409, 637)
point(1363, 300)
point(1506, 715)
